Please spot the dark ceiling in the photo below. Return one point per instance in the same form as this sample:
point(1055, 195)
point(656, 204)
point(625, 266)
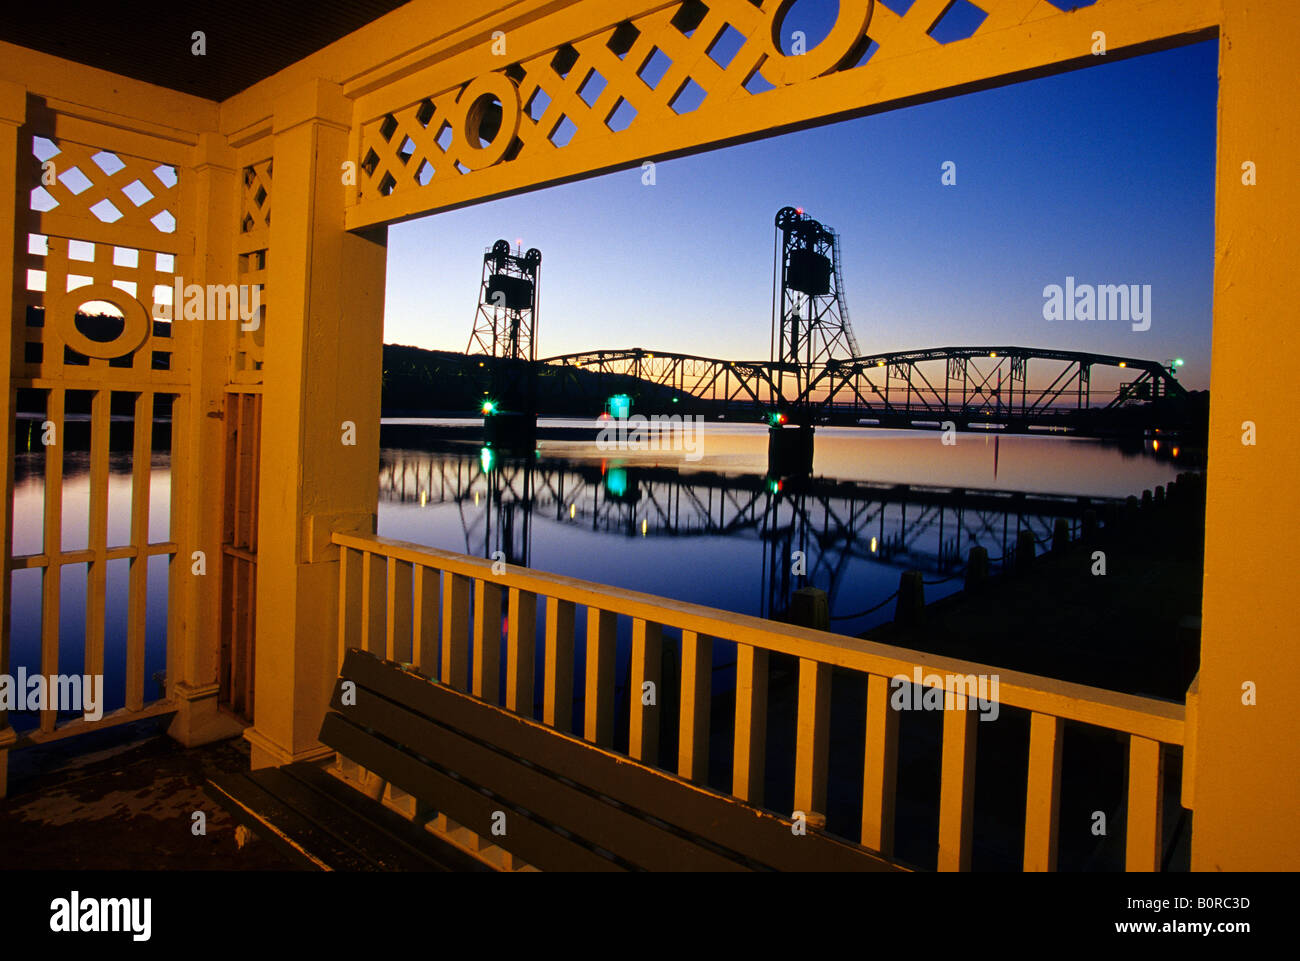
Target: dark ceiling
point(151, 40)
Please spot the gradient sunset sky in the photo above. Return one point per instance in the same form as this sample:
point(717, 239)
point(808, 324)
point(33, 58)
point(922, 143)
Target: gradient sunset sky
point(1104, 174)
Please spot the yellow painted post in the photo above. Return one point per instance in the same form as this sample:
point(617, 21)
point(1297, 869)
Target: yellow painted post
point(426, 619)
point(455, 630)
point(210, 201)
point(96, 574)
point(749, 756)
point(487, 641)
point(880, 768)
point(320, 417)
point(598, 702)
point(13, 111)
point(957, 786)
point(52, 575)
point(349, 602)
point(521, 650)
point(1144, 821)
point(1043, 792)
point(1188, 793)
point(557, 680)
point(180, 568)
point(137, 577)
point(399, 611)
point(643, 719)
point(374, 602)
point(1247, 750)
point(693, 729)
point(812, 737)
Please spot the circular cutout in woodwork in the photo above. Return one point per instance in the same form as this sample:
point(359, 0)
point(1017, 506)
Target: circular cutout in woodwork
point(61, 313)
point(780, 68)
point(489, 119)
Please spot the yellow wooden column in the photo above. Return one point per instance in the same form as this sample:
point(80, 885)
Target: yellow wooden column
point(1247, 756)
point(320, 418)
point(13, 111)
point(193, 655)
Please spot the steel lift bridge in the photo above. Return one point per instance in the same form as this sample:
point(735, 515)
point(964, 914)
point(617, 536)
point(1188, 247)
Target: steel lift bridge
point(505, 329)
point(817, 374)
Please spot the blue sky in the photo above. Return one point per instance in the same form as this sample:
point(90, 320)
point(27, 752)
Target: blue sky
point(1104, 174)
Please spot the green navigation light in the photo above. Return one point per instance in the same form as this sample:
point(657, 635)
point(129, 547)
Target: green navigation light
point(620, 405)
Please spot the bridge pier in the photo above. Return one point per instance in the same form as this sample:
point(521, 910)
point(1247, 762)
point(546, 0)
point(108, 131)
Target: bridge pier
point(789, 451)
point(510, 430)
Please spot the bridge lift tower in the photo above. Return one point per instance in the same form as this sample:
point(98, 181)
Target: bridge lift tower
point(505, 329)
point(810, 327)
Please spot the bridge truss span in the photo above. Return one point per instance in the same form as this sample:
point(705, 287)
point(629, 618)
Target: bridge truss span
point(692, 380)
point(1008, 387)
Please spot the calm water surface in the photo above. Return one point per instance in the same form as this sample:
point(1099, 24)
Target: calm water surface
point(25, 616)
point(713, 530)
point(716, 531)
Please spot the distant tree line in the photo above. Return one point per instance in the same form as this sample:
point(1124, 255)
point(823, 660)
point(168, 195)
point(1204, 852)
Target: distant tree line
point(427, 382)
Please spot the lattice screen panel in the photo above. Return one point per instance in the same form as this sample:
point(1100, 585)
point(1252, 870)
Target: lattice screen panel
point(689, 57)
point(102, 239)
point(252, 246)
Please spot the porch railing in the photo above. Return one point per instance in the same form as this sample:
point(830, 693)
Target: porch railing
point(440, 611)
point(91, 564)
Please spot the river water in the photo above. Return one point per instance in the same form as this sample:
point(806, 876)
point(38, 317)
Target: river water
point(706, 526)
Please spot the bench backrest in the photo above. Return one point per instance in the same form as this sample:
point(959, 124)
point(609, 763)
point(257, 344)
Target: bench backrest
point(562, 803)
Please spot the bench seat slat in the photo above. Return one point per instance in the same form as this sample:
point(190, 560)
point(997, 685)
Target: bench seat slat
point(534, 842)
point(320, 823)
point(271, 818)
point(639, 841)
point(391, 841)
point(760, 835)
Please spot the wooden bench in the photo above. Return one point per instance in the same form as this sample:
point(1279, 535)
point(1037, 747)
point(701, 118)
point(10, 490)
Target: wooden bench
point(553, 800)
point(321, 823)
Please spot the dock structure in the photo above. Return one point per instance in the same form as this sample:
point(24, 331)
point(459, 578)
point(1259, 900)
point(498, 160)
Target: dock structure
point(281, 175)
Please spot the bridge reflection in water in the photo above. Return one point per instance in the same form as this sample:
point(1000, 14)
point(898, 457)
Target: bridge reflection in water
point(848, 538)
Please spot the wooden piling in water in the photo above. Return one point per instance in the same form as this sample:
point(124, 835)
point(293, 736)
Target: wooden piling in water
point(1089, 534)
point(1060, 536)
point(909, 611)
point(810, 607)
point(1025, 549)
point(977, 568)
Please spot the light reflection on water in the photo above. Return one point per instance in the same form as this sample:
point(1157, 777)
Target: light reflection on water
point(712, 531)
point(25, 616)
point(715, 531)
